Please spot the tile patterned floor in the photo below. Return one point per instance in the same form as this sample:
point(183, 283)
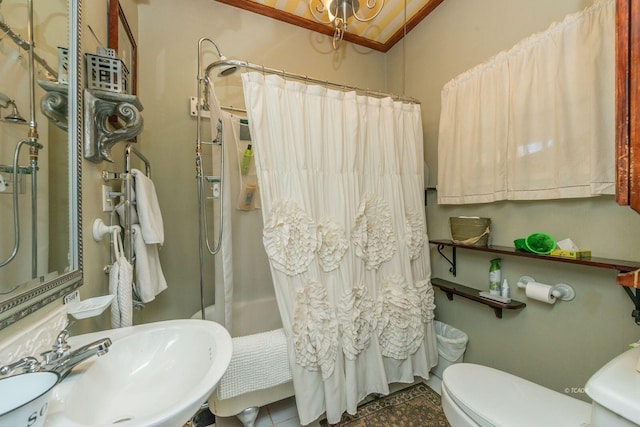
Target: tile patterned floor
point(278, 414)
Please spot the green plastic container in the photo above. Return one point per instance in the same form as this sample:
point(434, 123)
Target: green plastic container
point(537, 243)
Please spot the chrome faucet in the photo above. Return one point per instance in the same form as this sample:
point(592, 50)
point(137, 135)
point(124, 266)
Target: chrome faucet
point(60, 359)
point(63, 363)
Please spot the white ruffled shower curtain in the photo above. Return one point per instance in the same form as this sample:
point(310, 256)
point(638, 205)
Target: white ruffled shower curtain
point(535, 122)
point(341, 179)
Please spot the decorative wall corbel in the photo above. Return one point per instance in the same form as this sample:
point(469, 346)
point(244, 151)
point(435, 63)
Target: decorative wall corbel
point(101, 134)
point(54, 104)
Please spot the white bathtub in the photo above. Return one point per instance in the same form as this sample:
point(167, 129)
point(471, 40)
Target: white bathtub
point(250, 317)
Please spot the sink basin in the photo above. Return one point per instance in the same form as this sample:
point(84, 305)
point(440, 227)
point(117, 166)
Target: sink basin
point(155, 374)
point(24, 398)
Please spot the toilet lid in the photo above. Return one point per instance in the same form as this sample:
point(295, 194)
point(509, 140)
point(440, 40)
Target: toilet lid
point(495, 398)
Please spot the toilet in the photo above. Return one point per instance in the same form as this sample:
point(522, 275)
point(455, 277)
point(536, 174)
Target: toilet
point(475, 395)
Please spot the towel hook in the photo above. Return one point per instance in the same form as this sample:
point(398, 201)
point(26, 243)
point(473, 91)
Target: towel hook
point(100, 229)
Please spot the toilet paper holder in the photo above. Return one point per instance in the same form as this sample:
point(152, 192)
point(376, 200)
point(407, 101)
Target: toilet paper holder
point(561, 291)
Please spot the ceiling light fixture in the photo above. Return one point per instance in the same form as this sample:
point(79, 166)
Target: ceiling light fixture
point(338, 12)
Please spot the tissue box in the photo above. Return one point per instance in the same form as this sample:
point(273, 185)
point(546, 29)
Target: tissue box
point(578, 254)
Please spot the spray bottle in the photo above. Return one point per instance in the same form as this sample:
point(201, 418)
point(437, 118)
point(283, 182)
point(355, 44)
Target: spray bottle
point(495, 275)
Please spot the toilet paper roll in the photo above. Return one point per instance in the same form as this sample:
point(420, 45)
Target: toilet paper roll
point(540, 292)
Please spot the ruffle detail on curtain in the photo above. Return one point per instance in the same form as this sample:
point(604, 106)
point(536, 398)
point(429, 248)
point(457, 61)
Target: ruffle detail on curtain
point(416, 234)
point(333, 244)
point(400, 328)
point(290, 238)
point(372, 234)
point(427, 300)
point(356, 319)
point(315, 330)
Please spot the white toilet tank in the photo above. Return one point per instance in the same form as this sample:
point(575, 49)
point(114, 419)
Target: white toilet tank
point(615, 391)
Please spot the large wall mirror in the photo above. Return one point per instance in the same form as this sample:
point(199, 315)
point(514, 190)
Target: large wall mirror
point(40, 253)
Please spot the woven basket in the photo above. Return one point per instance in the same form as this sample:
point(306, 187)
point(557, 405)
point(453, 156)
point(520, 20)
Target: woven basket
point(470, 231)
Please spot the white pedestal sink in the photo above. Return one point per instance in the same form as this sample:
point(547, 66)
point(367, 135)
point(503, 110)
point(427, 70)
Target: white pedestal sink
point(155, 374)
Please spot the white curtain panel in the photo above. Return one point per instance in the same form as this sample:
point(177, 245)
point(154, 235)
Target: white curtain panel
point(536, 122)
point(472, 143)
point(341, 178)
point(223, 270)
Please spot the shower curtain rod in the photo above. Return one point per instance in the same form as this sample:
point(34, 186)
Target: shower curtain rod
point(286, 74)
point(25, 46)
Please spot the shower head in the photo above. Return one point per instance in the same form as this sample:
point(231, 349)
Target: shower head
point(15, 116)
point(225, 67)
point(226, 70)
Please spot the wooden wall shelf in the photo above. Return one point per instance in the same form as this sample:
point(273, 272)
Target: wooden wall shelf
point(451, 289)
point(621, 265)
point(628, 271)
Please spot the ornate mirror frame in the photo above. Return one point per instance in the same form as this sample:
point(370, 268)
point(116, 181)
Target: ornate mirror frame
point(46, 290)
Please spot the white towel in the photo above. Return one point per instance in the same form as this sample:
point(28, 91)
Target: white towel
point(148, 208)
point(114, 276)
point(150, 280)
point(121, 286)
point(258, 361)
point(134, 214)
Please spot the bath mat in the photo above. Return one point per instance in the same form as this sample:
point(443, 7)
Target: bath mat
point(417, 405)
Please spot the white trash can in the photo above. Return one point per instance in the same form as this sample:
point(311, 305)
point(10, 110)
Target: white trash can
point(452, 344)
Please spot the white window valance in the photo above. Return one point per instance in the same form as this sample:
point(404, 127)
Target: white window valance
point(537, 121)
